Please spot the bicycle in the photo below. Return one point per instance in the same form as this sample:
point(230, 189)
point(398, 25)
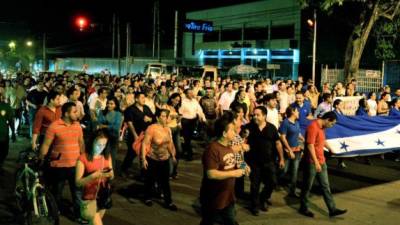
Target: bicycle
point(33, 199)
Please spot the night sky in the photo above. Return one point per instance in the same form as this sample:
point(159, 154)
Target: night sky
point(29, 19)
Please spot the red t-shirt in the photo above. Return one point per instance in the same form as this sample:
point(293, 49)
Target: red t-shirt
point(217, 194)
point(315, 135)
point(90, 189)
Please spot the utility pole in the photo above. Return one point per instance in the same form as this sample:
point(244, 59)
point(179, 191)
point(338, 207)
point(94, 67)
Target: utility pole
point(176, 38)
point(314, 55)
point(158, 32)
point(128, 48)
point(44, 52)
point(113, 37)
point(119, 47)
point(154, 29)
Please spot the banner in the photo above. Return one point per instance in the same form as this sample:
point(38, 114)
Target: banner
point(364, 135)
point(350, 104)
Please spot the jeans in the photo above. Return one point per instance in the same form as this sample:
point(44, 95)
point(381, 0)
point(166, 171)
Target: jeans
point(129, 157)
point(188, 126)
point(308, 179)
point(57, 178)
point(31, 113)
point(114, 143)
point(176, 138)
point(4, 150)
point(292, 166)
point(157, 171)
point(266, 174)
point(225, 215)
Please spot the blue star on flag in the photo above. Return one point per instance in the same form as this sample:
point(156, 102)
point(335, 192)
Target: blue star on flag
point(344, 146)
point(379, 142)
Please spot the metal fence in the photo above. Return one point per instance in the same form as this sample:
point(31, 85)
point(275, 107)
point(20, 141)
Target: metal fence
point(367, 80)
point(392, 74)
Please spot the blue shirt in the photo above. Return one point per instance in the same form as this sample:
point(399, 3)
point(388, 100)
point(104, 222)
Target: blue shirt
point(292, 132)
point(394, 112)
point(304, 111)
point(113, 120)
point(361, 112)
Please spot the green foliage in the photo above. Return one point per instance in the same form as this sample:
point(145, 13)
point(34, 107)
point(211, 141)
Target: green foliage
point(9, 58)
point(386, 34)
point(385, 31)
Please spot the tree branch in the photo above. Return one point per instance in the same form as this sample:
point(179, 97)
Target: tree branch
point(387, 14)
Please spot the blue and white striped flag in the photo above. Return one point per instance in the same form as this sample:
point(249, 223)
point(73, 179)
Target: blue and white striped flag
point(363, 135)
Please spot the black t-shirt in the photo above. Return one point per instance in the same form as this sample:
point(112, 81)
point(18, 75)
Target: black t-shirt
point(262, 143)
point(37, 97)
point(217, 194)
point(136, 116)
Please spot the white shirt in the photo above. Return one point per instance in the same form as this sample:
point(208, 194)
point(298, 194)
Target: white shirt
point(273, 117)
point(190, 109)
point(284, 101)
point(373, 106)
point(98, 104)
point(92, 96)
point(226, 100)
point(268, 89)
point(151, 105)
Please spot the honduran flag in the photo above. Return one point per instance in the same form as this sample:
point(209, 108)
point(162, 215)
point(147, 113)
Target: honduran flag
point(364, 135)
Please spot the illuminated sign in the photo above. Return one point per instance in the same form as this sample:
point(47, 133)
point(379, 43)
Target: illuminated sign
point(198, 26)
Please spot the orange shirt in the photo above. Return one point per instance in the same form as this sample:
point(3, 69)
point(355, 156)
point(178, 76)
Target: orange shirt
point(315, 135)
point(65, 142)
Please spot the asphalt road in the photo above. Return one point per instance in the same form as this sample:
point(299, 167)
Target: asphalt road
point(370, 192)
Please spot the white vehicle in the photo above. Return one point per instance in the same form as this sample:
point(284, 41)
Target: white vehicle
point(210, 72)
point(154, 70)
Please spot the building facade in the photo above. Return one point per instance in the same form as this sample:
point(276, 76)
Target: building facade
point(264, 34)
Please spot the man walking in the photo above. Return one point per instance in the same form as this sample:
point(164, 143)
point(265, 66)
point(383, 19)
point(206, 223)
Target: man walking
point(191, 111)
point(66, 140)
point(6, 121)
point(264, 146)
point(316, 164)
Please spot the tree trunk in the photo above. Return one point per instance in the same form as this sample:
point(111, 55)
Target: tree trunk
point(356, 43)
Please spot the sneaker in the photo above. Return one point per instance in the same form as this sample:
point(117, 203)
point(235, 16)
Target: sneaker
point(172, 207)
point(264, 207)
point(397, 159)
point(293, 195)
point(306, 212)
point(148, 202)
point(81, 221)
point(342, 165)
point(337, 212)
point(255, 212)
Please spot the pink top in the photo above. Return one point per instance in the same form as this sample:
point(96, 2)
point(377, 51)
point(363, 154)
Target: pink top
point(90, 189)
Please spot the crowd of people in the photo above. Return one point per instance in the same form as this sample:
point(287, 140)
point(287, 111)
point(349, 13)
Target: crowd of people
point(252, 127)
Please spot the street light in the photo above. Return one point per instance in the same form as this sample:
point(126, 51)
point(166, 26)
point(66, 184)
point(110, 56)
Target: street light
point(29, 43)
point(313, 25)
point(12, 45)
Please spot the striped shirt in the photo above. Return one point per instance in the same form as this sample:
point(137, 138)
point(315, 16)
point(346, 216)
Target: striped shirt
point(44, 117)
point(65, 143)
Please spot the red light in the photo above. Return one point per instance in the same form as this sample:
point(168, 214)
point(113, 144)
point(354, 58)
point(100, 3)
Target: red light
point(82, 23)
